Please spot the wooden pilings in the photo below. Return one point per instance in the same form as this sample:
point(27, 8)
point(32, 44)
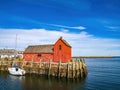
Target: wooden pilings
point(74, 70)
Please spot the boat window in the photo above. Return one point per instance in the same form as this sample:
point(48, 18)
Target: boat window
point(16, 69)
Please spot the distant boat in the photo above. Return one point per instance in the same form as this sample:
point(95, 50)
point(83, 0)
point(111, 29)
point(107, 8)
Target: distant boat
point(16, 70)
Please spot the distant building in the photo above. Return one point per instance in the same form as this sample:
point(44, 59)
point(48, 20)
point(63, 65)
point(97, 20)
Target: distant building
point(61, 50)
point(10, 53)
point(7, 53)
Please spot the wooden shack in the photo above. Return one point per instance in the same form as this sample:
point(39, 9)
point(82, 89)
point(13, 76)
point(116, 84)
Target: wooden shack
point(60, 51)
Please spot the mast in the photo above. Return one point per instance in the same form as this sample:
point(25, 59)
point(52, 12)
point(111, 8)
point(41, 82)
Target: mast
point(16, 42)
point(15, 48)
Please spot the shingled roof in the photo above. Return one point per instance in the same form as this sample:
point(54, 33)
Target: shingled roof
point(64, 41)
point(43, 48)
point(40, 49)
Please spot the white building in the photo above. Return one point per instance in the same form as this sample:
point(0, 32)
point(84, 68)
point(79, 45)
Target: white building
point(10, 53)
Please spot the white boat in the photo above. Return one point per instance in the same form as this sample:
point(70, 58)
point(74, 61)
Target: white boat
point(16, 70)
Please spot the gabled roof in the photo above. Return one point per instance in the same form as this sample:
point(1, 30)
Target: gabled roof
point(40, 49)
point(43, 48)
point(64, 41)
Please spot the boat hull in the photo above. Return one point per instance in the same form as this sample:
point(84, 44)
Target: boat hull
point(16, 71)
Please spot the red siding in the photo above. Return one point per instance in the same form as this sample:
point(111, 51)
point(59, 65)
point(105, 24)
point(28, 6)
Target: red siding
point(45, 57)
point(64, 54)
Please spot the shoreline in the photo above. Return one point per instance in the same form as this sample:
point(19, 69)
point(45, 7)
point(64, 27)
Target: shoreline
point(96, 57)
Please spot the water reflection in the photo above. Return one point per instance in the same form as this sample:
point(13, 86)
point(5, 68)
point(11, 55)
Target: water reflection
point(35, 82)
point(43, 83)
point(16, 78)
point(9, 82)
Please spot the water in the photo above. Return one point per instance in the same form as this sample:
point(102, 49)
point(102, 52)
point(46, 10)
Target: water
point(103, 74)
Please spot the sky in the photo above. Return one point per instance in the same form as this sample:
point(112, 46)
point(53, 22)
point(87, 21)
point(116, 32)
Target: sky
point(91, 27)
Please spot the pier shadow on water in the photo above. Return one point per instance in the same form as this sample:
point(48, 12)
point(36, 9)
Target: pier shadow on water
point(36, 82)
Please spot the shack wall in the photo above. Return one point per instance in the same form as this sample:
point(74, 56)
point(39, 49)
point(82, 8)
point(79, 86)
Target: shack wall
point(45, 57)
point(61, 52)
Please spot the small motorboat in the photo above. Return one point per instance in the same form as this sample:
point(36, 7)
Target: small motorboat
point(16, 70)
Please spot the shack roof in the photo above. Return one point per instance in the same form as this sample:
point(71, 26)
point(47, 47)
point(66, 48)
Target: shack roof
point(40, 49)
point(64, 41)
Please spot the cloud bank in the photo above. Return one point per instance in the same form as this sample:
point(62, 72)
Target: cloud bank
point(82, 43)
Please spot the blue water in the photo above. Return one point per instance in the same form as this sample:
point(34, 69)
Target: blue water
point(103, 74)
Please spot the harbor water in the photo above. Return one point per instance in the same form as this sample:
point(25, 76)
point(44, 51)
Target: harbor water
point(103, 74)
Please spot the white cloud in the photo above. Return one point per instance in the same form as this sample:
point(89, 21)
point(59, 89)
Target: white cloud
point(69, 27)
point(64, 30)
point(79, 27)
point(82, 43)
point(113, 28)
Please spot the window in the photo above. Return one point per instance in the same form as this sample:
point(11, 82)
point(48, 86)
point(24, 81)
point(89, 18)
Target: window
point(53, 49)
point(39, 55)
point(60, 47)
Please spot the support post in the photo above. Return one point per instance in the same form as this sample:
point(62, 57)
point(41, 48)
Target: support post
point(68, 70)
point(73, 70)
point(59, 68)
point(40, 63)
point(49, 69)
point(81, 69)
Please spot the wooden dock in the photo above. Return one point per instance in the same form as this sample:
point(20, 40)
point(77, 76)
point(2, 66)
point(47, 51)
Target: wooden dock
point(71, 70)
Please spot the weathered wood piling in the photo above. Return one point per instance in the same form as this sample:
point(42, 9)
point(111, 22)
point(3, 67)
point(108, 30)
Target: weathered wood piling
point(71, 70)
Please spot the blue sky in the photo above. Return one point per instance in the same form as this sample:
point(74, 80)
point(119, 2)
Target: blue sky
point(92, 27)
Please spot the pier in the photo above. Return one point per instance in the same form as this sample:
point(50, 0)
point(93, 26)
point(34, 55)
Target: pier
point(76, 69)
